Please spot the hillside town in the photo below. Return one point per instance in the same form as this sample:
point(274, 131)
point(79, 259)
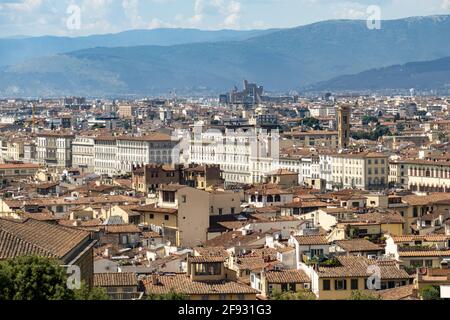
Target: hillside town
point(237, 197)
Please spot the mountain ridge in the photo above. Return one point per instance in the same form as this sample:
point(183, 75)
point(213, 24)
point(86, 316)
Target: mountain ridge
point(280, 60)
point(421, 75)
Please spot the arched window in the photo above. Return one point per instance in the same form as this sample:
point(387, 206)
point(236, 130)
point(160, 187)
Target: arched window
point(427, 173)
point(270, 199)
point(253, 198)
point(277, 198)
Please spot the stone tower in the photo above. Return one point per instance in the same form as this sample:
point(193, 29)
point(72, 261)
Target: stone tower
point(344, 114)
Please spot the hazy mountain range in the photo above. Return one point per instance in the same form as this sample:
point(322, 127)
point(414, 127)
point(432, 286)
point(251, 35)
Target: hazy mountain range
point(214, 61)
point(17, 49)
point(426, 75)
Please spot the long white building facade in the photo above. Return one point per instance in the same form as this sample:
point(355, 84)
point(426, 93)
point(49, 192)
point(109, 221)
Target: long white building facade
point(245, 154)
point(118, 155)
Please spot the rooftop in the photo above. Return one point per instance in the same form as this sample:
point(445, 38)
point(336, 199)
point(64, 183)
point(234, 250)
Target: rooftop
point(183, 284)
point(115, 279)
point(30, 237)
point(287, 276)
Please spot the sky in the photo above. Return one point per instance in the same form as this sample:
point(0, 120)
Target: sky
point(84, 17)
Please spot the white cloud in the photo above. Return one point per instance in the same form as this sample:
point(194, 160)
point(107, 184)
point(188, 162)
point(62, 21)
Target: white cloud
point(234, 14)
point(131, 8)
point(229, 10)
point(25, 5)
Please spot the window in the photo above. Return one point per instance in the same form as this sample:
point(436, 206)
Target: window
point(220, 211)
point(184, 199)
point(111, 290)
point(316, 252)
point(166, 217)
point(340, 284)
point(415, 212)
point(326, 285)
point(270, 289)
point(152, 216)
point(233, 211)
point(416, 263)
point(169, 196)
point(354, 284)
point(208, 269)
point(222, 297)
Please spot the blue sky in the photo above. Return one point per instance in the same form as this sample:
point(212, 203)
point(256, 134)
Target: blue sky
point(42, 17)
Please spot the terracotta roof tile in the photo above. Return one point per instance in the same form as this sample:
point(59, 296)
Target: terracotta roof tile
point(115, 279)
point(425, 253)
point(351, 266)
point(287, 276)
point(357, 245)
point(206, 259)
point(125, 228)
point(32, 236)
point(183, 284)
point(399, 293)
point(312, 240)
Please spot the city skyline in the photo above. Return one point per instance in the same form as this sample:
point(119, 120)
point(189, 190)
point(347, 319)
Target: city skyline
point(49, 17)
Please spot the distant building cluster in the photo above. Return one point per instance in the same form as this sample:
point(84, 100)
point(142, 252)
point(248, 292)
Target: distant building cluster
point(241, 197)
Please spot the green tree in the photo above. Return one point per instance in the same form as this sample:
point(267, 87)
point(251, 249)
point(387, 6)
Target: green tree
point(33, 278)
point(359, 295)
point(430, 293)
point(421, 113)
point(86, 293)
point(312, 123)
point(351, 232)
point(369, 119)
point(374, 135)
point(400, 127)
point(299, 295)
point(171, 295)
